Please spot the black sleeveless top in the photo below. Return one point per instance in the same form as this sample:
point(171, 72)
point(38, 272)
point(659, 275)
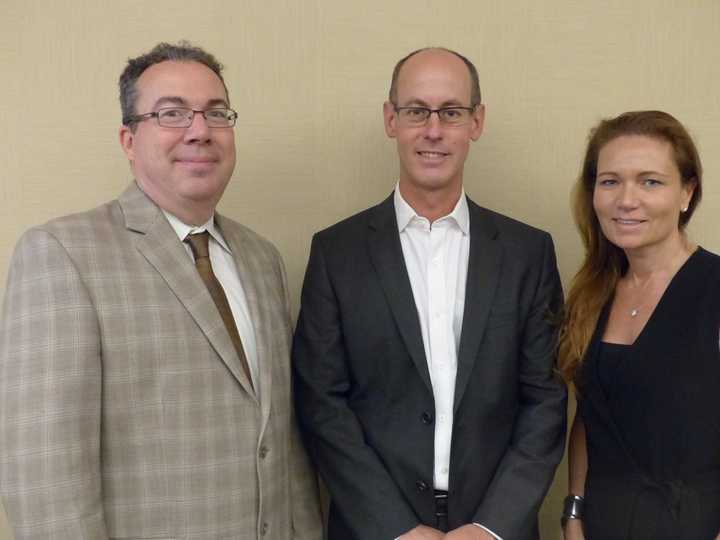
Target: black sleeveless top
point(652, 417)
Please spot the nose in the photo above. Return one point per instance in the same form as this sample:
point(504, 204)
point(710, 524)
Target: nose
point(433, 126)
point(198, 130)
point(627, 197)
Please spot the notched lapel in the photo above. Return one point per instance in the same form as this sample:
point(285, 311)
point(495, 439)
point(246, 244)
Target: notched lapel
point(387, 259)
point(484, 266)
point(159, 244)
point(262, 326)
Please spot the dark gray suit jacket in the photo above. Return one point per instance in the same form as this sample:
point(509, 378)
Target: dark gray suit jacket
point(363, 391)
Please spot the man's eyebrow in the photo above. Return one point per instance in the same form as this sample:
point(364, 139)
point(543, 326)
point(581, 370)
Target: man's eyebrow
point(169, 100)
point(453, 103)
point(182, 102)
point(217, 103)
point(416, 102)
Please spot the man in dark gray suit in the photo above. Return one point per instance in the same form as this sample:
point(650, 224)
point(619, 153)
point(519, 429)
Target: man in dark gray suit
point(425, 346)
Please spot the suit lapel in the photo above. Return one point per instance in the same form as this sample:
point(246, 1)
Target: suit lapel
point(484, 264)
point(387, 259)
point(250, 280)
point(159, 244)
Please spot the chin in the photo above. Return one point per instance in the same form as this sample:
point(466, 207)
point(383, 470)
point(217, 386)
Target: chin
point(634, 244)
point(203, 187)
point(628, 246)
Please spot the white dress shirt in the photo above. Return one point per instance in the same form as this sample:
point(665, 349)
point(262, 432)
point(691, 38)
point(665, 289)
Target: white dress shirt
point(436, 257)
point(225, 270)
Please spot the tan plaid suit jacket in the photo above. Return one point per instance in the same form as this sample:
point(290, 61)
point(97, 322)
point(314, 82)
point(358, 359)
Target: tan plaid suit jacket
point(124, 411)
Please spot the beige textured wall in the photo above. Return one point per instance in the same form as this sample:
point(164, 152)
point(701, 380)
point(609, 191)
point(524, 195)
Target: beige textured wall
point(309, 79)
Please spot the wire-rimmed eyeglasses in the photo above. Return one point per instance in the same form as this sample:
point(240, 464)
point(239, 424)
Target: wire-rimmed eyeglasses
point(182, 117)
point(418, 116)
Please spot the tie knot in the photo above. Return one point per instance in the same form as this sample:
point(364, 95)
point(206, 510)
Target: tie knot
point(199, 244)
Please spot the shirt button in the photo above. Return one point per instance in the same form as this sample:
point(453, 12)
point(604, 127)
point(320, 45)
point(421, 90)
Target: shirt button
point(444, 470)
point(263, 452)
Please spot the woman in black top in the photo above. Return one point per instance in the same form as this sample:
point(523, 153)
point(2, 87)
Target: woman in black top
point(640, 341)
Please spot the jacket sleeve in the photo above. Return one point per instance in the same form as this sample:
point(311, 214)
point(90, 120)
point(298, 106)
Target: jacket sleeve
point(362, 490)
point(50, 397)
point(511, 503)
point(304, 497)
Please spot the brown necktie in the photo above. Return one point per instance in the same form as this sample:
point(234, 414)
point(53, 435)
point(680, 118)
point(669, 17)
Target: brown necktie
point(199, 246)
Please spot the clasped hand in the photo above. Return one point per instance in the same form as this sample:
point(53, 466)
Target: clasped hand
point(466, 532)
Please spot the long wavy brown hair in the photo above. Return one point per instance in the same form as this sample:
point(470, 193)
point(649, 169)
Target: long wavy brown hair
point(605, 263)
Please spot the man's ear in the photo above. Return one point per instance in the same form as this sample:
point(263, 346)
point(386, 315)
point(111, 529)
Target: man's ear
point(390, 117)
point(478, 122)
point(127, 138)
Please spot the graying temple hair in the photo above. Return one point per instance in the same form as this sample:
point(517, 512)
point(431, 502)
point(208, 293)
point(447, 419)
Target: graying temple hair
point(184, 51)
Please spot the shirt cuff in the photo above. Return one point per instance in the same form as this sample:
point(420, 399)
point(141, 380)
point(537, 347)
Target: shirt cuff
point(488, 530)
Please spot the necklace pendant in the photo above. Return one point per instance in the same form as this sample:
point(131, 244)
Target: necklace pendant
point(634, 313)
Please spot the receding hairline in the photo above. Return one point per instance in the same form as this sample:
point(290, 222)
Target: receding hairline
point(473, 77)
point(224, 101)
point(183, 51)
point(433, 50)
point(183, 61)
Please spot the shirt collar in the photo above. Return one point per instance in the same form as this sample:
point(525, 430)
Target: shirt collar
point(404, 213)
point(182, 229)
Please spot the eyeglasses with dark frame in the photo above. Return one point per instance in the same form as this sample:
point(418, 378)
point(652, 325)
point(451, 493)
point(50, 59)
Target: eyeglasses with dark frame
point(418, 116)
point(182, 117)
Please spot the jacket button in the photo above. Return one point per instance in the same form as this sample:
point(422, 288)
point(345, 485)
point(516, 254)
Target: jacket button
point(264, 529)
point(427, 418)
point(263, 452)
point(421, 486)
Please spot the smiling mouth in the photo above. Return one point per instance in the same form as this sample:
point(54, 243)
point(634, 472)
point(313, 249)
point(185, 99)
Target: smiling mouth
point(199, 162)
point(621, 221)
point(432, 155)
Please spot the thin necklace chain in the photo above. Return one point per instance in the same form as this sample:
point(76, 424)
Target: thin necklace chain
point(634, 311)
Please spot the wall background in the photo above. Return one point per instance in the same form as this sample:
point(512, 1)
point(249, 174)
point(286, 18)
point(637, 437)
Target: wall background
point(309, 80)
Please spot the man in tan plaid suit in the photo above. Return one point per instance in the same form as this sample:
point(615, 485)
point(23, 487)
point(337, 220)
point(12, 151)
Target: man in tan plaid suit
point(126, 411)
